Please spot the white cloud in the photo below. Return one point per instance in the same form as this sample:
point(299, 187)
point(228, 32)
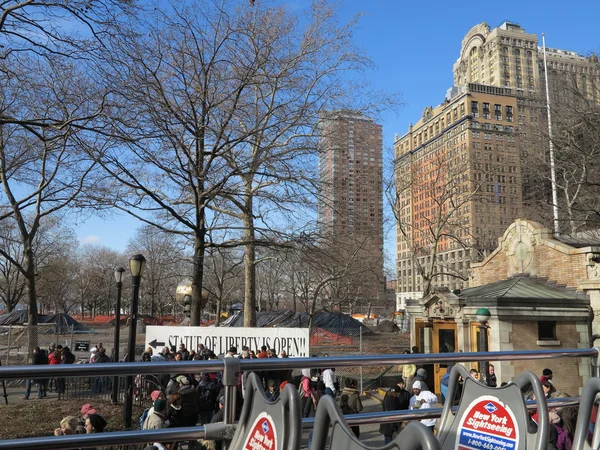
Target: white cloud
point(90, 239)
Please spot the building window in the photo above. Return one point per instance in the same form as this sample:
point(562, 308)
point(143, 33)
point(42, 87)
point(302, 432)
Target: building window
point(546, 330)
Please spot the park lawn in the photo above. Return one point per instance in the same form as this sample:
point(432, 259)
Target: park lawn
point(36, 418)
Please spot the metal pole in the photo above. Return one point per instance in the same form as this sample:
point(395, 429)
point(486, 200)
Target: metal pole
point(115, 387)
point(29, 348)
point(4, 389)
point(483, 347)
point(551, 145)
point(9, 344)
point(361, 352)
point(72, 328)
point(127, 411)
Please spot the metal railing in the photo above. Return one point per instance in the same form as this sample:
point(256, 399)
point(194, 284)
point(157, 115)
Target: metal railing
point(230, 367)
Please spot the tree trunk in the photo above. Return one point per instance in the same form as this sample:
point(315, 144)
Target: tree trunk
point(249, 273)
point(218, 310)
point(249, 257)
point(197, 278)
point(32, 314)
point(32, 309)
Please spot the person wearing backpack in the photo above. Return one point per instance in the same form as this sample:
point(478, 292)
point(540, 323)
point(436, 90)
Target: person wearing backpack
point(308, 395)
point(350, 402)
point(208, 391)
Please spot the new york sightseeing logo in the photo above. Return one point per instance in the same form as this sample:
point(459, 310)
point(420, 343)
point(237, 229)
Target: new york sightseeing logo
point(263, 435)
point(487, 424)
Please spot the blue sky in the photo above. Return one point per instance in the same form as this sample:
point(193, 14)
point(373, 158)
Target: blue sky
point(414, 46)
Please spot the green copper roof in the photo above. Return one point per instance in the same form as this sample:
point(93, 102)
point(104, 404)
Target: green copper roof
point(523, 287)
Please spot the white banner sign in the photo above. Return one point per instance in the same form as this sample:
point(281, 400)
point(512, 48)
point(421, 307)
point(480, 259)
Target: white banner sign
point(294, 341)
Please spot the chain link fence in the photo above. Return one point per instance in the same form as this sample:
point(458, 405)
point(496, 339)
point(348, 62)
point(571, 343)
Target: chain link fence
point(370, 377)
point(18, 341)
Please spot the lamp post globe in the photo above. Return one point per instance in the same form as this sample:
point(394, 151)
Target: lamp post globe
point(119, 273)
point(483, 315)
point(137, 264)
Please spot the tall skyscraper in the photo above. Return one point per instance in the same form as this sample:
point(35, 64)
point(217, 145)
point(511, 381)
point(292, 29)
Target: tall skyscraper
point(463, 170)
point(351, 181)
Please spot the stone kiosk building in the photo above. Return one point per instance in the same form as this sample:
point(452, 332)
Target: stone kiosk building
point(538, 290)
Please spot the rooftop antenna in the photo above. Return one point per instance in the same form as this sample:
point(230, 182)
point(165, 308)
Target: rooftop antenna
point(551, 145)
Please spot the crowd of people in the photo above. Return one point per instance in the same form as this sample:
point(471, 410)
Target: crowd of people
point(88, 421)
point(56, 354)
point(187, 399)
point(183, 399)
point(562, 419)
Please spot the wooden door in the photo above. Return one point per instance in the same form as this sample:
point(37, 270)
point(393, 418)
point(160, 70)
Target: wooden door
point(445, 340)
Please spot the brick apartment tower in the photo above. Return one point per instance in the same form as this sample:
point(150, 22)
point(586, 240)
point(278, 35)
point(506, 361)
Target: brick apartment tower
point(351, 181)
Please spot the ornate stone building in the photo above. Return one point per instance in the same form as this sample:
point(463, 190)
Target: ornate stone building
point(530, 248)
point(539, 291)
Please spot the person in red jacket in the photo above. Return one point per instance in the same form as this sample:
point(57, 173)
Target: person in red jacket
point(54, 358)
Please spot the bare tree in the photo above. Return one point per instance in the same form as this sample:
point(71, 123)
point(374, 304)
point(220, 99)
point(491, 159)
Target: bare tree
point(54, 245)
point(56, 28)
point(270, 275)
point(12, 282)
point(179, 87)
point(223, 277)
point(576, 141)
point(304, 68)
point(319, 269)
point(167, 262)
point(44, 111)
point(424, 235)
point(94, 284)
point(218, 101)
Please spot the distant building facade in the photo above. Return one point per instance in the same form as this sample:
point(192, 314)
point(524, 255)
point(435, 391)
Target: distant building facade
point(511, 58)
point(458, 174)
point(351, 182)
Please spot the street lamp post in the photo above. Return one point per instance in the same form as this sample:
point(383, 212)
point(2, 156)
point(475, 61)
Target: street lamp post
point(136, 267)
point(119, 271)
point(483, 315)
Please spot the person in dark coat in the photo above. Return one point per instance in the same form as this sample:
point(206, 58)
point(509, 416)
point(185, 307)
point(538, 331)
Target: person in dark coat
point(491, 379)
point(390, 402)
point(350, 402)
point(184, 352)
point(98, 383)
point(39, 359)
point(189, 402)
point(398, 399)
point(208, 392)
point(272, 393)
point(174, 411)
point(66, 357)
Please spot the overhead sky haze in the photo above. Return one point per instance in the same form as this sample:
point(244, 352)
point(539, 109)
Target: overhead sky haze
point(414, 45)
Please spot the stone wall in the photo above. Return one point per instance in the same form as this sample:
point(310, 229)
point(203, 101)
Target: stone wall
point(527, 247)
point(569, 373)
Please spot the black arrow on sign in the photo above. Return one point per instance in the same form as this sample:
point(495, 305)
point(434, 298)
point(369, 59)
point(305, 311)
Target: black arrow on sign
point(156, 344)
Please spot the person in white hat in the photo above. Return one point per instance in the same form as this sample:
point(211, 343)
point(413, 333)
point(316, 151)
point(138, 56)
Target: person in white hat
point(423, 399)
